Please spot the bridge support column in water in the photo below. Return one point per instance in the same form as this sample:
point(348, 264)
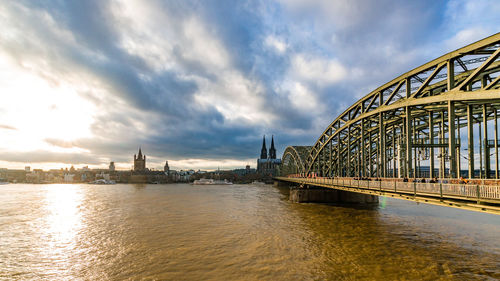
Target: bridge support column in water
point(328, 195)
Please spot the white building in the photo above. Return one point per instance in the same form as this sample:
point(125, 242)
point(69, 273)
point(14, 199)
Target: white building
point(68, 177)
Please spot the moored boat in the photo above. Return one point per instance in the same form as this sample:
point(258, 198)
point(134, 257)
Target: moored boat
point(204, 181)
point(103, 181)
point(258, 182)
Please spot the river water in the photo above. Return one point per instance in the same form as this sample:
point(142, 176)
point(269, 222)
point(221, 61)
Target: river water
point(239, 232)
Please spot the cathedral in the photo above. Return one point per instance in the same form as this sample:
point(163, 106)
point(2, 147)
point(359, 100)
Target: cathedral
point(139, 162)
point(267, 164)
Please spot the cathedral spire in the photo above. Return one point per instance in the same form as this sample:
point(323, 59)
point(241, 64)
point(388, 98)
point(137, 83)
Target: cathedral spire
point(272, 150)
point(140, 153)
point(263, 151)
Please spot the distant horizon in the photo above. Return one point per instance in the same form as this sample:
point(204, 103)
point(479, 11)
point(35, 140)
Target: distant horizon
point(183, 164)
point(124, 167)
point(121, 170)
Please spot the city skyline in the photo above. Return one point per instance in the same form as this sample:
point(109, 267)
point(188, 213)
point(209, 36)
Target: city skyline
point(198, 84)
point(129, 166)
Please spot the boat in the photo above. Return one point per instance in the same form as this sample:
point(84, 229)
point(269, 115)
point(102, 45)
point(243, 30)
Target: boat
point(224, 182)
point(218, 181)
point(103, 181)
point(204, 181)
point(258, 182)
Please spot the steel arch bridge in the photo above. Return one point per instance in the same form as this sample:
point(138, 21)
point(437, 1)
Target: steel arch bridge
point(294, 159)
point(411, 127)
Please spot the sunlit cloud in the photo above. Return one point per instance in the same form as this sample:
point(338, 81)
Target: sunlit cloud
point(7, 127)
point(276, 43)
point(317, 70)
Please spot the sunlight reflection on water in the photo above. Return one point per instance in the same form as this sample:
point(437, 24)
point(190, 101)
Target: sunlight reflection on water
point(62, 202)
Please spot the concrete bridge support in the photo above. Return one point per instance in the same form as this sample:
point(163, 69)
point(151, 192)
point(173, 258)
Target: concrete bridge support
point(283, 184)
point(328, 195)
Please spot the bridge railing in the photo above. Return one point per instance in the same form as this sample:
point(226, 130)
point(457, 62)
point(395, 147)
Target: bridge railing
point(438, 189)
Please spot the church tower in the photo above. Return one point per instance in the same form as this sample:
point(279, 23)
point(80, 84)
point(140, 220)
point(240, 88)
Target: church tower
point(267, 164)
point(139, 162)
point(272, 150)
point(166, 168)
point(263, 151)
point(111, 166)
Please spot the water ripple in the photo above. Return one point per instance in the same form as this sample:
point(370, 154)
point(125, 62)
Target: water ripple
point(242, 232)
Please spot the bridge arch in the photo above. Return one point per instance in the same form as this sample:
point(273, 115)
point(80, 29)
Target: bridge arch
point(416, 119)
point(293, 160)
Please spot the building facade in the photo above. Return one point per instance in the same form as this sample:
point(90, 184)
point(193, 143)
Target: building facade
point(139, 162)
point(268, 164)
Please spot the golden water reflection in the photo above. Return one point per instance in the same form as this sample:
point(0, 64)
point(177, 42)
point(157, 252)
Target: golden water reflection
point(63, 220)
point(241, 232)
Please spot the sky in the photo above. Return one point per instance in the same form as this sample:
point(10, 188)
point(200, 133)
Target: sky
point(198, 83)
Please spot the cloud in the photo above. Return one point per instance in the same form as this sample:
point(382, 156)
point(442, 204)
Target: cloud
point(275, 43)
point(7, 127)
point(302, 98)
point(321, 71)
point(61, 143)
point(465, 37)
point(463, 14)
point(205, 80)
point(41, 156)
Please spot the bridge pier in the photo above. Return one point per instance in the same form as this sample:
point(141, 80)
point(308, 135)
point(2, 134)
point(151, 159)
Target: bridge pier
point(282, 184)
point(327, 195)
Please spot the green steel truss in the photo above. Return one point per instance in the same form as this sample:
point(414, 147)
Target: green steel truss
point(293, 159)
point(415, 120)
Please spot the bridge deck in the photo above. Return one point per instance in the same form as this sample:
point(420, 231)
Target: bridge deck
point(483, 198)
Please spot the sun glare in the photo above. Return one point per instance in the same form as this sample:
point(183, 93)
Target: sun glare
point(39, 109)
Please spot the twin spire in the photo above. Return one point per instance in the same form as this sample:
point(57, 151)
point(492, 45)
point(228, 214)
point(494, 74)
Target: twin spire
point(263, 151)
point(272, 150)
